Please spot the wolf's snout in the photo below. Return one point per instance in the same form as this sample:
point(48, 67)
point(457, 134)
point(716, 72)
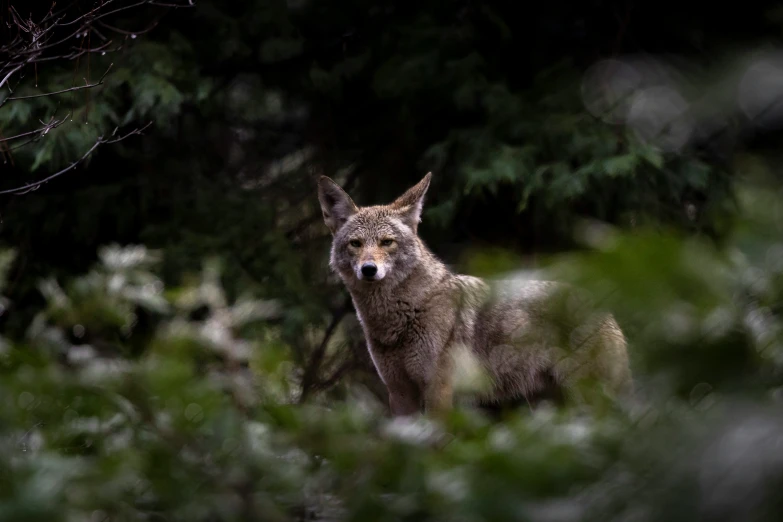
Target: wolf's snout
point(369, 270)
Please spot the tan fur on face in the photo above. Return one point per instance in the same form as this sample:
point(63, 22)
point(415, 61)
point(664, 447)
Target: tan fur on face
point(417, 314)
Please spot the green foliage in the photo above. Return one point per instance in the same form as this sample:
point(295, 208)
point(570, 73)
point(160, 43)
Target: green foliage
point(722, 306)
point(540, 146)
point(201, 422)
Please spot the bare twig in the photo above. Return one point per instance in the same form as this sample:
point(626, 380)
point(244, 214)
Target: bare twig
point(50, 38)
point(310, 377)
point(333, 379)
point(129, 33)
point(29, 187)
point(77, 88)
point(7, 76)
point(191, 3)
point(53, 124)
point(42, 39)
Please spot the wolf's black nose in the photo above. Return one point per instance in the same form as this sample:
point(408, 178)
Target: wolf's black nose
point(369, 269)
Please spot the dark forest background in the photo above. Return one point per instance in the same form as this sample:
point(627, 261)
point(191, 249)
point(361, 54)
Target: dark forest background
point(174, 346)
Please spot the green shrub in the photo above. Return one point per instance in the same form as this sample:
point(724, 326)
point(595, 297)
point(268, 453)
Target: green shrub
point(194, 415)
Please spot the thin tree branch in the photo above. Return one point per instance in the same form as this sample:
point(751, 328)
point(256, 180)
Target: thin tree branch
point(77, 88)
point(53, 124)
point(130, 33)
point(89, 13)
point(175, 6)
point(335, 377)
point(7, 76)
point(50, 38)
point(89, 18)
point(310, 376)
point(29, 187)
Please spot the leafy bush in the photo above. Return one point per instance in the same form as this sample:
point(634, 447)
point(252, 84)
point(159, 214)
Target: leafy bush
point(130, 401)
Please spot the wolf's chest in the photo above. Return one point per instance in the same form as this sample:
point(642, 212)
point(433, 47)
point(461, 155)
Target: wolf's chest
point(395, 327)
point(399, 345)
point(405, 363)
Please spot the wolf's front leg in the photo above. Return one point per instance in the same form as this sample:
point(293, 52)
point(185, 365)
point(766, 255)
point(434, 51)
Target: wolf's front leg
point(438, 402)
point(404, 398)
point(439, 394)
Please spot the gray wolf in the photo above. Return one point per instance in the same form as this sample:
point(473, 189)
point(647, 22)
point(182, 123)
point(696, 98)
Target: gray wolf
point(419, 318)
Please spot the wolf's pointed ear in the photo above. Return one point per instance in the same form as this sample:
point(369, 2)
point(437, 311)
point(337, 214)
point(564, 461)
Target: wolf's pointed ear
point(336, 205)
point(409, 205)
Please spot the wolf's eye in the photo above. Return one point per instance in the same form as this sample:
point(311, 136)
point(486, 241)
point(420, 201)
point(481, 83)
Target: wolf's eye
point(355, 243)
point(386, 242)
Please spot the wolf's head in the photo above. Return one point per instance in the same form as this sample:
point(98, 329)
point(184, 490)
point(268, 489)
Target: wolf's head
point(373, 245)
